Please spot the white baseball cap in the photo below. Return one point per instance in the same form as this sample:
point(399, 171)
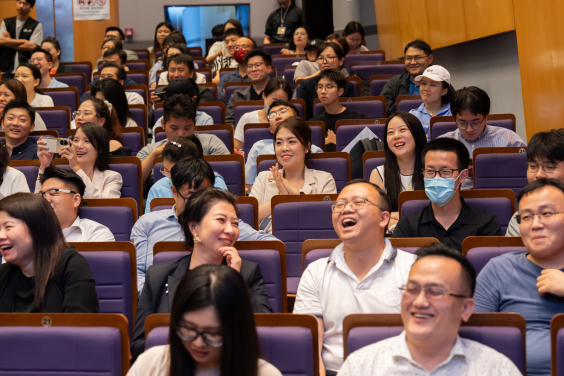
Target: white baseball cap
point(435, 73)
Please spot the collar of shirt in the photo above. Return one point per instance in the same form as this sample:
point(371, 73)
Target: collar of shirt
point(483, 135)
point(423, 110)
point(338, 257)
point(171, 214)
point(238, 75)
point(464, 218)
point(400, 350)
point(75, 225)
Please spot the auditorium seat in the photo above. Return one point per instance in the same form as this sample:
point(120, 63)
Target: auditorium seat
point(64, 96)
point(557, 344)
point(347, 130)
point(213, 89)
point(195, 51)
point(81, 66)
point(444, 124)
point(142, 54)
point(500, 167)
point(375, 55)
point(206, 72)
point(76, 79)
point(30, 169)
point(366, 71)
point(371, 160)
point(214, 109)
point(407, 103)
point(356, 83)
point(140, 89)
point(139, 115)
point(377, 83)
point(273, 48)
point(56, 118)
point(114, 269)
point(503, 332)
point(481, 249)
point(280, 61)
point(243, 107)
point(133, 138)
point(71, 344)
point(117, 214)
point(138, 65)
point(371, 107)
point(231, 87)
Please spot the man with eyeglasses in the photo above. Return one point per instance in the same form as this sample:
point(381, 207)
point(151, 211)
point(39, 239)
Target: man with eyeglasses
point(44, 62)
point(531, 282)
point(230, 37)
point(19, 36)
point(470, 107)
point(258, 70)
point(544, 156)
point(281, 24)
point(63, 189)
point(278, 112)
point(447, 217)
point(240, 49)
point(363, 274)
point(435, 300)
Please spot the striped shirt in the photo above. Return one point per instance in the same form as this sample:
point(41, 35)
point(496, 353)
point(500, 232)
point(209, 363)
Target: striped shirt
point(492, 136)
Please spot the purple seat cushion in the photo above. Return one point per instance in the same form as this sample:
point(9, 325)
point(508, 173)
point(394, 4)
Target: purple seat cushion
point(118, 219)
point(371, 164)
point(56, 120)
point(560, 353)
point(72, 351)
point(280, 62)
point(133, 141)
point(315, 255)
point(31, 173)
point(347, 133)
point(376, 86)
point(480, 256)
point(501, 171)
point(371, 108)
point(409, 104)
point(157, 337)
point(64, 98)
point(76, 81)
point(270, 267)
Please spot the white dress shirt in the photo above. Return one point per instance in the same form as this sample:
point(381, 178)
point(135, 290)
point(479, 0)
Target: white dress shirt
point(105, 184)
point(85, 230)
point(13, 181)
point(392, 357)
point(329, 290)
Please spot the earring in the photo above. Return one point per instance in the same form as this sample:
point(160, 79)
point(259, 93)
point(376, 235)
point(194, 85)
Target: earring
point(197, 239)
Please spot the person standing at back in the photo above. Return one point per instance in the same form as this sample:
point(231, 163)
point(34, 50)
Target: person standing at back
point(19, 36)
point(282, 23)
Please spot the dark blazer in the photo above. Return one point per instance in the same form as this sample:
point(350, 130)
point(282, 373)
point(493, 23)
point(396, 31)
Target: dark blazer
point(308, 94)
point(65, 69)
point(70, 290)
point(161, 282)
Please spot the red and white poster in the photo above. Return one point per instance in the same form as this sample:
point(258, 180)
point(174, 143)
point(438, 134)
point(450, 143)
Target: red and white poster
point(88, 10)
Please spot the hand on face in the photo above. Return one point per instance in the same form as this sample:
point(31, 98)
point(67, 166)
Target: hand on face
point(231, 257)
point(551, 281)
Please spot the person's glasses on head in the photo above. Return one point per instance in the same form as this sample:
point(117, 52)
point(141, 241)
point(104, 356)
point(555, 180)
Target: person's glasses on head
point(191, 334)
point(54, 192)
point(464, 125)
point(443, 172)
point(282, 111)
point(546, 167)
point(431, 291)
point(356, 204)
point(416, 58)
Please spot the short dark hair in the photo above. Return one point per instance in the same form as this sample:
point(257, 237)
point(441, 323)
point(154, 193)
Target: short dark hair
point(198, 206)
point(235, 23)
point(48, 56)
point(287, 104)
point(183, 59)
point(420, 45)
point(121, 74)
point(229, 32)
point(449, 145)
point(179, 105)
point(121, 54)
point(265, 56)
point(192, 171)
point(338, 50)
point(540, 184)
point(116, 42)
point(30, 2)
point(217, 30)
point(383, 200)
point(470, 98)
point(332, 75)
point(100, 140)
point(182, 147)
point(547, 146)
point(68, 176)
point(278, 83)
point(442, 250)
point(174, 37)
point(19, 103)
point(115, 28)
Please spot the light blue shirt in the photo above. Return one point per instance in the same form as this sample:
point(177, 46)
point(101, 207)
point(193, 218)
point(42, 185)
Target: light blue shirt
point(425, 117)
point(162, 225)
point(413, 88)
point(202, 118)
point(259, 148)
point(153, 72)
point(161, 189)
point(55, 84)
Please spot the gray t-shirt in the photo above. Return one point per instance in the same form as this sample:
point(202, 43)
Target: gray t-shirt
point(307, 68)
point(36, 37)
point(513, 226)
point(211, 144)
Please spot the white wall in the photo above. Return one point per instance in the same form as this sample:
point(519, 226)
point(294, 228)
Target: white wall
point(491, 64)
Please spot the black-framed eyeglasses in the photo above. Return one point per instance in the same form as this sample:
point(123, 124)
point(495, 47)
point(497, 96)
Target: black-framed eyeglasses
point(474, 125)
point(417, 58)
point(283, 111)
point(54, 192)
point(443, 173)
point(356, 204)
point(547, 167)
point(529, 217)
point(191, 334)
point(432, 291)
point(182, 197)
point(329, 59)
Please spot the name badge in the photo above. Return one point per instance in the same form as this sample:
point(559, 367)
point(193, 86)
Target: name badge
point(27, 31)
point(282, 30)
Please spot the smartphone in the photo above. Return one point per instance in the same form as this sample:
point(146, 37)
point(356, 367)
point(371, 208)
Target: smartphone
point(55, 145)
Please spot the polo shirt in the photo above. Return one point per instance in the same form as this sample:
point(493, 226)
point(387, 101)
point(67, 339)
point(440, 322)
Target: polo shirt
point(24, 151)
point(425, 117)
point(470, 222)
point(329, 290)
point(413, 87)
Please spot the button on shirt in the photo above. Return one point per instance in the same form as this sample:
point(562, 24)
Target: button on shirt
point(392, 357)
point(492, 136)
point(425, 117)
point(470, 222)
point(259, 148)
point(25, 151)
point(329, 290)
point(85, 230)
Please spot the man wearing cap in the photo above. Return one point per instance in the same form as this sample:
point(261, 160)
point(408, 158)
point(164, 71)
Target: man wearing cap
point(309, 68)
point(434, 85)
point(282, 23)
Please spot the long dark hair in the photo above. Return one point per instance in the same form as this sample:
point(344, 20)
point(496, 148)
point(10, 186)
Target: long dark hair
point(100, 139)
point(392, 177)
point(182, 147)
point(179, 46)
point(235, 23)
point(16, 87)
point(4, 160)
point(45, 230)
point(224, 289)
point(111, 124)
point(278, 83)
point(338, 50)
point(36, 73)
point(156, 45)
point(292, 45)
point(115, 94)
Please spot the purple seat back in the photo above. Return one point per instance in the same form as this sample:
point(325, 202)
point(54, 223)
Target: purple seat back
point(141, 92)
point(56, 120)
point(64, 98)
point(499, 206)
point(158, 336)
point(295, 222)
point(195, 53)
point(138, 115)
point(84, 68)
point(280, 62)
point(213, 92)
point(371, 164)
point(119, 219)
point(159, 112)
point(376, 86)
point(139, 78)
point(157, 171)
point(111, 271)
point(76, 81)
point(136, 66)
point(409, 104)
point(241, 110)
point(560, 353)
point(207, 75)
point(142, 55)
point(247, 213)
point(253, 135)
point(158, 54)
point(315, 255)
point(56, 350)
point(449, 126)
point(231, 173)
point(289, 76)
point(168, 256)
point(372, 109)
point(30, 173)
point(223, 134)
point(356, 88)
point(347, 133)
point(506, 340)
point(271, 269)
point(215, 112)
point(364, 57)
point(230, 90)
point(199, 64)
point(365, 71)
point(133, 141)
point(480, 256)
point(273, 50)
point(501, 171)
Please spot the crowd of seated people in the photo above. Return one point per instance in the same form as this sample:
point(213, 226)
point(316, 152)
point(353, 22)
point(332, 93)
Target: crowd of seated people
point(211, 292)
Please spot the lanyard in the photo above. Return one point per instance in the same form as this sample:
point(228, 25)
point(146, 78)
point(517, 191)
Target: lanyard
point(284, 16)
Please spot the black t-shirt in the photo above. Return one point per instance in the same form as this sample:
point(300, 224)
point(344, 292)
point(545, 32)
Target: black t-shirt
point(255, 96)
point(330, 120)
point(292, 19)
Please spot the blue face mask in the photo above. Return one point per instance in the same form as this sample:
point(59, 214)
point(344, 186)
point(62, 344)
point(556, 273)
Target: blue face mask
point(266, 107)
point(440, 190)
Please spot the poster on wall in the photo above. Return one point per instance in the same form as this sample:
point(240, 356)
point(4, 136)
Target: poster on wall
point(88, 10)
